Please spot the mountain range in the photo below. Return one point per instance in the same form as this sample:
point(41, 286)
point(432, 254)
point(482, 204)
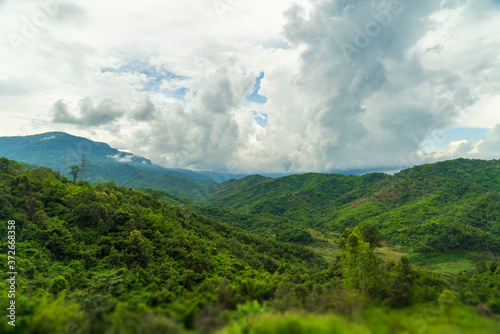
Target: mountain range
point(199, 256)
point(59, 151)
point(451, 206)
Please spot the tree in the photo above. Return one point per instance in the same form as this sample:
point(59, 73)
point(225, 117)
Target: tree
point(361, 265)
point(295, 235)
point(402, 287)
point(368, 233)
point(5, 166)
point(74, 170)
point(138, 248)
point(371, 235)
point(448, 299)
point(478, 262)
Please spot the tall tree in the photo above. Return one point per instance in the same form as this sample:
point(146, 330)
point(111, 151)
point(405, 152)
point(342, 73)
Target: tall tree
point(74, 170)
point(371, 235)
point(402, 287)
point(368, 233)
point(361, 266)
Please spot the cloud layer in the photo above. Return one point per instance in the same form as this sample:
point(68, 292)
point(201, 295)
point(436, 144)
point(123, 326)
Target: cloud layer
point(251, 87)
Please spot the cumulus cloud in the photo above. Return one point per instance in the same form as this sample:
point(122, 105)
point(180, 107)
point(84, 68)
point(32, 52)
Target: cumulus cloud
point(202, 133)
point(490, 148)
point(121, 158)
point(366, 99)
point(487, 148)
point(145, 111)
point(90, 115)
point(343, 84)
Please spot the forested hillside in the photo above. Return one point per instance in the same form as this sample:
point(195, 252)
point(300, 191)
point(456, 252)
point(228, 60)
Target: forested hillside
point(110, 247)
point(452, 206)
point(60, 151)
point(107, 259)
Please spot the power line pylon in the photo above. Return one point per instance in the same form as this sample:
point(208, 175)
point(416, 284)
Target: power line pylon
point(83, 168)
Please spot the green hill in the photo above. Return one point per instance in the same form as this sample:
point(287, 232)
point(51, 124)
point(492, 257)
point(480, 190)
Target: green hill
point(59, 151)
point(107, 259)
point(447, 207)
point(113, 250)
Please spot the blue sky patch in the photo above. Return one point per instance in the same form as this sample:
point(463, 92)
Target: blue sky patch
point(155, 75)
point(276, 44)
point(255, 97)
point(260, 118)
point(440, 139)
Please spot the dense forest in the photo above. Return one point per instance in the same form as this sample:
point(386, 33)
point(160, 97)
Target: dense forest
point(449, 207)
point(103, 258)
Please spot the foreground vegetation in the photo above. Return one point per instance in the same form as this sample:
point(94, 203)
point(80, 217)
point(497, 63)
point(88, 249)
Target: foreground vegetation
point(106, 259)
point(427, 318)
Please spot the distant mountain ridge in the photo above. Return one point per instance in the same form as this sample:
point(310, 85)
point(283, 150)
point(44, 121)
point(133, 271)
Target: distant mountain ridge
point(59, 151)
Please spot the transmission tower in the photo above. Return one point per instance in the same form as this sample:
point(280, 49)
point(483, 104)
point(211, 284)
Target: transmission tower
point(83, 168)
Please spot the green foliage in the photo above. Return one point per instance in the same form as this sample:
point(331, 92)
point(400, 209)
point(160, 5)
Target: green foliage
point(298, 324)
point(442, 208)
point(403, 286)
point(59, 315)
point(107, 259)
point(367, 233)
point(361, 265)
point(371, 235)
point(73, 171)
point(118, 255)
point(425, 318)
point(448, 299)
point(295, 235)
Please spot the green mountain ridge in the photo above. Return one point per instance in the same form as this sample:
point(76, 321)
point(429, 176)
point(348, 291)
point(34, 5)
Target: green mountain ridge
point(59, 151)
point(107, 259)
point(80, 238)
point(443, 207)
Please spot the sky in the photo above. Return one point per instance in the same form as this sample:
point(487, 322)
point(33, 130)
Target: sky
point(258, 86)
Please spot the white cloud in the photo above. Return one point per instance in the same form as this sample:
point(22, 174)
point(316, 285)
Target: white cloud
point(90, 115)
point(122, 158)
point(118, 71)
point(48, 138)
point(489, 148)
point(472, 149)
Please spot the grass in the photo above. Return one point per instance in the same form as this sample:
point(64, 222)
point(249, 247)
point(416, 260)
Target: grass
point(425, 318)
point(328, 250)
point(326, 246)
point(446, 264)
point(387, 252)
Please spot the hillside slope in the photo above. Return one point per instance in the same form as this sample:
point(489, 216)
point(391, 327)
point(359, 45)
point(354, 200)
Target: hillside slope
point(107, 259)
point(442, 207)
point(91, 253)
point(59, 151)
